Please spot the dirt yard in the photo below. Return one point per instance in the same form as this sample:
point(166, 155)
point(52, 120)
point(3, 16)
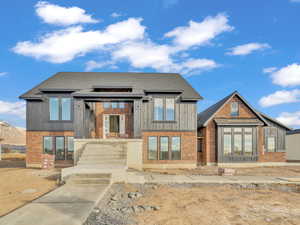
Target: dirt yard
point(220, 205)
point(250, 171)
point(19, 185)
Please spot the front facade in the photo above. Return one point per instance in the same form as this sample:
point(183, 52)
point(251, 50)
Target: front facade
point(159, 109)
point(232, 132)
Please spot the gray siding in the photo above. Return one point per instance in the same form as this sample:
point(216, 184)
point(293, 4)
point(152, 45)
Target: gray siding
point(37, 118)
point(185, 117)
point(293, 147)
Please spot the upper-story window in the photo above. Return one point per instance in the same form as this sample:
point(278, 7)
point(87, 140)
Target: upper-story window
point(158, 109)
point(60, 108)
point(164, 109)
point(114, 105)
point(234, 109)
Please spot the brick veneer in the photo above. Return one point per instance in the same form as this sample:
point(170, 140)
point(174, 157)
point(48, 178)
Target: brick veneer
point(210, 137)
point(127, 111)
point(34, 140)
point(188, 147)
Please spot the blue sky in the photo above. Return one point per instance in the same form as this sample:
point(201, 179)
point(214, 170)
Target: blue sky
point(218, 46)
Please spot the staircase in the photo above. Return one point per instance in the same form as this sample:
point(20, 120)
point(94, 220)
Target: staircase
point(100, 162)
point(106, 155)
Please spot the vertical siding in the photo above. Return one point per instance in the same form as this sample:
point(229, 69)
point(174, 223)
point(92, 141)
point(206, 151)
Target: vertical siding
point(37, 118)
point(185, 117)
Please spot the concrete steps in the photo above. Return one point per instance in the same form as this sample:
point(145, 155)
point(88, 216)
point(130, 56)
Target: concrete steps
point(90, 178)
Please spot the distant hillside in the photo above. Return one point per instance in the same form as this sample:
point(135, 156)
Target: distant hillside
point(12, 135)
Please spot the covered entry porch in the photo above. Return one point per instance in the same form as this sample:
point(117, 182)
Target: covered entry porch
point(103, 117)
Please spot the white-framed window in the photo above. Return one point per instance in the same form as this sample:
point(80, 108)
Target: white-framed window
point(164, 109)
point(158, 109)
point(60, 108)
point(234, 109)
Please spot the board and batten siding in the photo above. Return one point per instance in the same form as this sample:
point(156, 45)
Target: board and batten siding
point(37, 118)
point(185, 117)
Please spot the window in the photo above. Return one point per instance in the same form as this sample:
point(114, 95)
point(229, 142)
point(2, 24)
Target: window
point(164, 148)
point(121, 105)
point(114, 105)
point(158, 109)
point(238, 141)
point(234, 109)
point(60, 108)
point(152, 148)
point(60, 148)
point(106, 105)
point(54, 108)
point(175, 148)
point(227, 144)
point(164, 109)
point(248, 141)
point(66, 109)
point(48, 145)
point(70, 147)
point(170, 109)
point(271, 144)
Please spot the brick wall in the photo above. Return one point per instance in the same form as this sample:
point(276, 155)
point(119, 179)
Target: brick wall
point(244, 111)
point(188, 147)
point(210, 137)
point(34, 140)
point(127, 111)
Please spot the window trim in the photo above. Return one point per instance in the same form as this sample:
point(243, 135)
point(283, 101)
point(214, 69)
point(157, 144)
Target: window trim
point(171, 150)
point(164, 109)
point(59, 97)
point(52, 143)
point(66, 147)
point(157, 147)
point(237, 113)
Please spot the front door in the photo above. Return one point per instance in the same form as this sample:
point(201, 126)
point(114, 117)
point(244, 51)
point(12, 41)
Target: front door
point(114, 125)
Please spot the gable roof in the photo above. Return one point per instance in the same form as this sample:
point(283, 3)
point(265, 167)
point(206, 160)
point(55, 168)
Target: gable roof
point(275, 121)
point(296, 131)
point(138, 81)
point(205, 116)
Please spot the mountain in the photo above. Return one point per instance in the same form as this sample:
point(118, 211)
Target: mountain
point(12, 135)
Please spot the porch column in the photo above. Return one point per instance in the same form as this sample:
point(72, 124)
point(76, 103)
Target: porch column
point(78, 118)
point(137, 108)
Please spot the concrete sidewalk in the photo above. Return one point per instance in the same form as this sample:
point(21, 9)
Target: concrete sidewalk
point(67, 205)
point(193, 179)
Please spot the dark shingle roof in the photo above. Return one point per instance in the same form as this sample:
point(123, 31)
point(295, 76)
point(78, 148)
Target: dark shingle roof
point(205, 116)
point(141, 81)
point(275, 121)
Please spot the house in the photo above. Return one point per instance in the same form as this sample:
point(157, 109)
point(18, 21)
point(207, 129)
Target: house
point(150, 116)
point(293, 145)
point(232, 132)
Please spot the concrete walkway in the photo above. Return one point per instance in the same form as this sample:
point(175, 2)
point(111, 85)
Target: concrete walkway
point(67, 205)
point(193, 179)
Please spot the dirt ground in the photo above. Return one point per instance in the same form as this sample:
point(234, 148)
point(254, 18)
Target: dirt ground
point(250, 171)
point(19, 185)
point(219, 205)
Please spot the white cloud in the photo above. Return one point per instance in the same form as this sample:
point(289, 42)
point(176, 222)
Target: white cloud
point(91, 65)
point(13, 108)
point(199, 33)
point(66, 44)
point(192, 66)
point(144, 54)
point(159, 57)
point(269, 69)
point(115, 15)
point(248, 48)
point(295, 1)
point(287, 76)
point(64, 16)
point(290, 119)
point(3, 74)
point(280, 97)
